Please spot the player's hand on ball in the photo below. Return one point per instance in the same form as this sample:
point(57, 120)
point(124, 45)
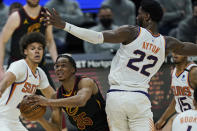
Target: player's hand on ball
point(38, 100)
point(31, 111)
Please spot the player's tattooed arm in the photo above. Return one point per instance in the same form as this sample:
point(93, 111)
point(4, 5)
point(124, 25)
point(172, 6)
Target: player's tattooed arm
point(193, 77)
point(181, 48)
point(7, 80)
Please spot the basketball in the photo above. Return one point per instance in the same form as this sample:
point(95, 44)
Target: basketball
point(30, 111)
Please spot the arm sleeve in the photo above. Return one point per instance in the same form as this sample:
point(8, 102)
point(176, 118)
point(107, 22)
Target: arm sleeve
point(91, 36)
point(44, 83)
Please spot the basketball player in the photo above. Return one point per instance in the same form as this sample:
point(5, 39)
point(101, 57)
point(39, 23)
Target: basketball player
point(187, 121)
point(140, 56)
point(22, 78)
point(80, 98)
point(18, 24)
point(184, 79)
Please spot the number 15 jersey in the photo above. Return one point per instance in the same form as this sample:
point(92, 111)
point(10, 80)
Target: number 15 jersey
point(182, 91)
point(135, 63)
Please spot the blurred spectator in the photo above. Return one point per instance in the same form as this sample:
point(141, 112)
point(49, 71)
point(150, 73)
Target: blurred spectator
point(19, 23)
point(123, 11)
point(70, 11)
point(187, 29)
point(3, 14)
point(105, 17)
point(174, 12)
point(13, 7)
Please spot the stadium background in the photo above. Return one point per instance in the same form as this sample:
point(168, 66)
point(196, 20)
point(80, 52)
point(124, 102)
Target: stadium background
point(97, 67)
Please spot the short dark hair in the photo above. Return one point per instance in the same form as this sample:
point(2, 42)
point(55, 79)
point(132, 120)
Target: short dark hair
point(194, 4)
point(153, 8)
point(15, 5)
point(30, 38)
point(195, 94)
point(104, 7)
point(70, 59)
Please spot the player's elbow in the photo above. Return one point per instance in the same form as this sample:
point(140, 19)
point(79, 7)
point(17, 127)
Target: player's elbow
point(82, 102)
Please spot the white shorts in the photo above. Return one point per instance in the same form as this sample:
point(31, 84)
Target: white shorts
point(7, 125)
point(129, 111)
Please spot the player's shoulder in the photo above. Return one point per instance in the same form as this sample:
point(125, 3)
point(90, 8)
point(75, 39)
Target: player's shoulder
point(21, 63)
point(15, 15)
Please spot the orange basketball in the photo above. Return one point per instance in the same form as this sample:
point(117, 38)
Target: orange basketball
point(30, 111)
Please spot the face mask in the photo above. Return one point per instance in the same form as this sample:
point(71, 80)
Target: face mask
point(106, 22)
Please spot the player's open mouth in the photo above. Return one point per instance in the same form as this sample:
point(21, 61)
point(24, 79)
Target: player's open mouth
point(37, 57)
point(60, 74)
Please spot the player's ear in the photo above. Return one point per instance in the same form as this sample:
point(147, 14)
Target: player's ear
point(25, 51)
point(147, 16)
point(73, 71)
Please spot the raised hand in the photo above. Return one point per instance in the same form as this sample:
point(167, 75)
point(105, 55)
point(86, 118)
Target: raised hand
point(53, 18)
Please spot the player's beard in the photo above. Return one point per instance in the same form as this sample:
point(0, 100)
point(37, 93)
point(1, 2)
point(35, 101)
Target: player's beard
point(32, 4)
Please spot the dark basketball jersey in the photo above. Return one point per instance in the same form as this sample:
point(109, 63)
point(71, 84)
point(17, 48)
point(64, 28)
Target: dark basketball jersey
point(27, 24)
point(92, 116)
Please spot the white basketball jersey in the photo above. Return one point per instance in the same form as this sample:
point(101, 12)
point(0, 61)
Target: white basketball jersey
point(134, 64)
point(186, 121)
point(26, 84)
point(182, 91)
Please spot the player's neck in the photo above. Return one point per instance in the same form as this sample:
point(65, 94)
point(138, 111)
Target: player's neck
point(69, 84)
point(31, 65)
point(32, 11)
point(181, 66)
point(153, 27)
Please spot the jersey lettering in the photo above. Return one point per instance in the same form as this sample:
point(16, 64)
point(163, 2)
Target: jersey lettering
point(29, 88)
point(181, 91)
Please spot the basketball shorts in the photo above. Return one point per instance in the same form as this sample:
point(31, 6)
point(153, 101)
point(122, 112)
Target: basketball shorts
point(129, 111)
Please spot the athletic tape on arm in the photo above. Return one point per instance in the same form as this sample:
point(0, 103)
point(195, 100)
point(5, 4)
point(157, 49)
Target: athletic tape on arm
point(85, 34)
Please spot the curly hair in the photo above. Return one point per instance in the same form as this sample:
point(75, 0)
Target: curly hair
point(30, 38)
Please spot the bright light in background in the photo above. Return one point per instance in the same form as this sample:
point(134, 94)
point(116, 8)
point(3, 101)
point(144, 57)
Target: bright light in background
point(84, 4)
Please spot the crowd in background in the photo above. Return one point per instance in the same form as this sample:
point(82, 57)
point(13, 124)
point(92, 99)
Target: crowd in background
point(180, 21)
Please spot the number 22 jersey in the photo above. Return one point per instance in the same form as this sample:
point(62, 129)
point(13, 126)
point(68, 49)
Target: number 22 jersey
point(135, 63)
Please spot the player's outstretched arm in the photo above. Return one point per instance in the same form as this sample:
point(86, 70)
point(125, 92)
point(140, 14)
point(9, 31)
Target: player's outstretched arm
point(169, 111)
point(7, 80)
point(181, 48)
point(123, 34)
point(86, 89)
